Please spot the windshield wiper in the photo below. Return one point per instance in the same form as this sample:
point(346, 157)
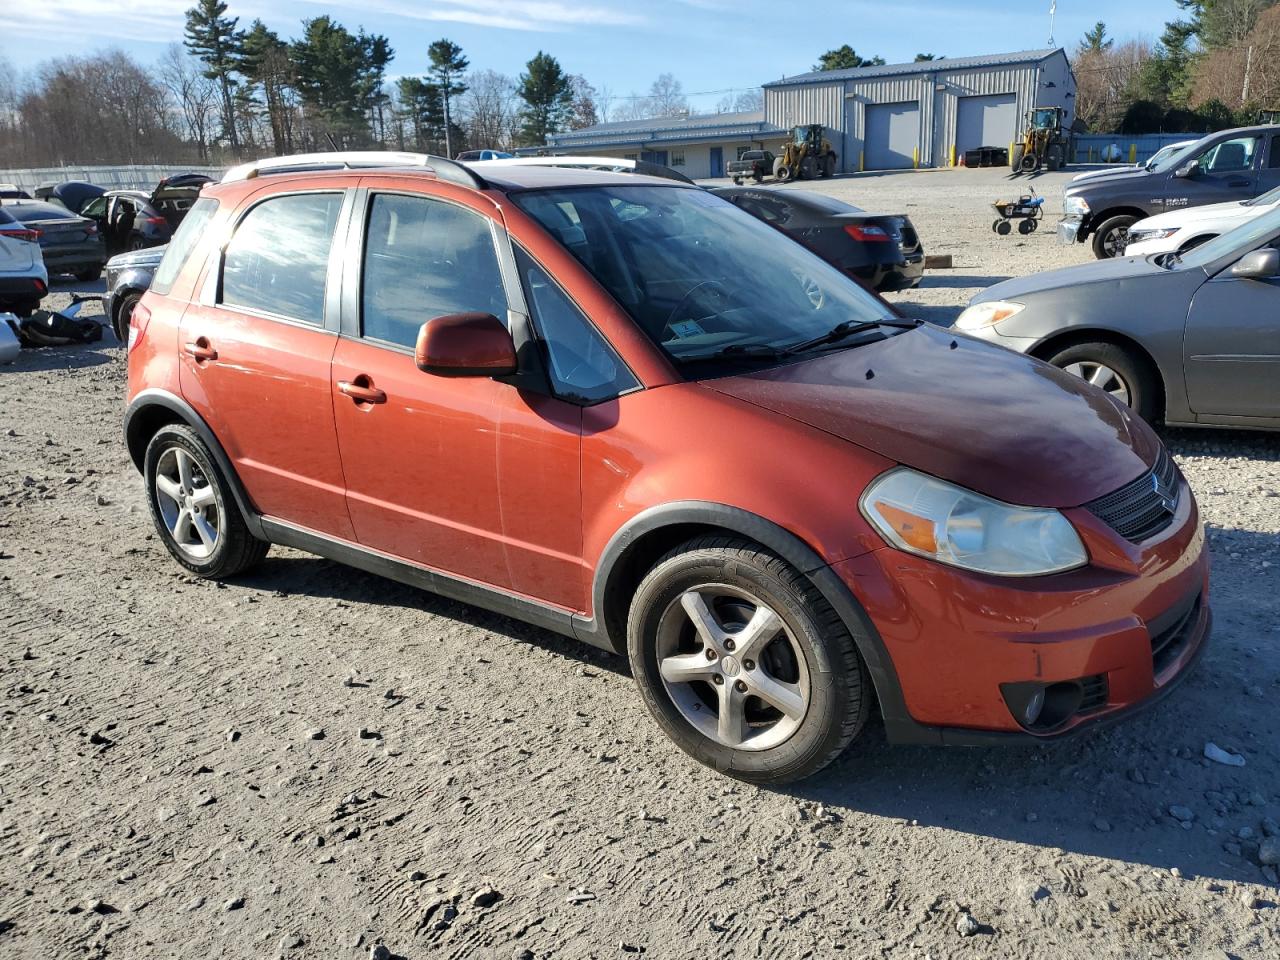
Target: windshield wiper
point(850, 328)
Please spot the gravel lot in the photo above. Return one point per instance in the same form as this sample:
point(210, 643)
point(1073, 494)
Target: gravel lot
point(312, 761)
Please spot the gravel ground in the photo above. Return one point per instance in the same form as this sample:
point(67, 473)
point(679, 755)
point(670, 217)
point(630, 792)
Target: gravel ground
point(311, 761)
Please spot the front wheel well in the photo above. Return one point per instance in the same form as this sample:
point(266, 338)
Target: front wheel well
point(1070, 338)
point(1098, 219)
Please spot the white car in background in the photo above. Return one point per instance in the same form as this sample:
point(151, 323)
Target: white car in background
point(1181, 230)
point(1158, 157)
point(24, 281)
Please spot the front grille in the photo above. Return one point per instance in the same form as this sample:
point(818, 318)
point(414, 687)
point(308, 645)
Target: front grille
point(1143, 508)
point(1169, 635)
point(1093, 693)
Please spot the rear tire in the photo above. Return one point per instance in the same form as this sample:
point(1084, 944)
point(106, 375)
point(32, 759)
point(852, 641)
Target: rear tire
point(1015, 159)
point(781, 172)
point(1110, 237)
point(803, 657)
point(828, 166)
point(1133, 373)
point(123, 314)
point(192, 507)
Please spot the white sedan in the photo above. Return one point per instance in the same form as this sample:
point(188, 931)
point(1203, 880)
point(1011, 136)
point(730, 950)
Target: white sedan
point(23, 278)
point(1181, 230)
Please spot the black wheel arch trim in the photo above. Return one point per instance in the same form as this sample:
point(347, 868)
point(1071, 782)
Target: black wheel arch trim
point(789, 547)
point(185, 413)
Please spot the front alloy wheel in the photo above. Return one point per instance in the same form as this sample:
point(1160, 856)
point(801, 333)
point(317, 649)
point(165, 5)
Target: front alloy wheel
point(743, 662)
point(731, 667)
point(1102, 377)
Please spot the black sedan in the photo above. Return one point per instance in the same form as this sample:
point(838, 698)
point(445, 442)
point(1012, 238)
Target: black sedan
point(881, 251)
point(128, 277)
point(68, 243)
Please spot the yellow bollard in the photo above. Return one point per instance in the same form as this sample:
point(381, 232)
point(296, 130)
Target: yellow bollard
point(860, 166)
point(1133, 153)
point(915, 158)
point(953, 154)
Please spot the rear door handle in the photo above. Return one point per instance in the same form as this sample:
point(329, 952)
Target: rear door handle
point(201, 350)
point(361, 392)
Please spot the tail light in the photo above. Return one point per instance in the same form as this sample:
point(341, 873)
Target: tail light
point(41, 287)
point(868, 233)
point(138, 321)
point(156, 221)
point(31, 236)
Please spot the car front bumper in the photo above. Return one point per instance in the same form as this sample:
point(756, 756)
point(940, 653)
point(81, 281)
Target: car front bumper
point(1071, 230)
point(1127, 627)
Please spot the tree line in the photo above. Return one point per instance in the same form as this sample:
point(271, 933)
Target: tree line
point(230, 92)
point(1215, 68)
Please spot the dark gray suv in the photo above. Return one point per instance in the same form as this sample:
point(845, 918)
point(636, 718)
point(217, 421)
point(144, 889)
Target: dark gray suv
point(1229, 165)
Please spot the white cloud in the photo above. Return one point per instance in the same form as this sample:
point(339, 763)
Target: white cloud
point(529, 15)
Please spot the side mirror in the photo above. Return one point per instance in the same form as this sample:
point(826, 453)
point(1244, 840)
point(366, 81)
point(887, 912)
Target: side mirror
point(1258, 265)
point(1187, 170)
point(465, 345)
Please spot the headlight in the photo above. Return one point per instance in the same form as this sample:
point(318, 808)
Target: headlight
point(1074, 206)
point(1138, 236)
point(982, 315)
point(932, 518)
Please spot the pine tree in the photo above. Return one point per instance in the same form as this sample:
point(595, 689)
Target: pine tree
point(548, 96)
point(1095, 40)
point(212, 37)
point(264, 60)
point(845, 58)
point(447, 66)
point(339, 77)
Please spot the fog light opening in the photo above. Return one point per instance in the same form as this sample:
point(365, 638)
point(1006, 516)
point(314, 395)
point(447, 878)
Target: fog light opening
point(1042, 707)
point(1031, 712)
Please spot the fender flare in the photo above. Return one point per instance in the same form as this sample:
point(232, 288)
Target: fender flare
point(784, 543)
point(135, 420)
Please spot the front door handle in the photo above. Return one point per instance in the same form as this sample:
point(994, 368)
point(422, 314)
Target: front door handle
point(362, 390)
point(201, 350)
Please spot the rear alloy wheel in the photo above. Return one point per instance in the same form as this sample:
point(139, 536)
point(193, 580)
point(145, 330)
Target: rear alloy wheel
point(192, 507)
point(1111, 236)
point(743, 663)
point(1116, 370)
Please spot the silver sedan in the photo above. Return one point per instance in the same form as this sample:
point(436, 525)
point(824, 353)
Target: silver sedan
point(1191, 340)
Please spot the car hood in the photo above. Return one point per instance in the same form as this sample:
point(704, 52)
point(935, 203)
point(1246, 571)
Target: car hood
point(991, 420)
point(1231, 212)
point(1099, 174)
point(149, 257)
point(1096, 271)
point(1110, 177)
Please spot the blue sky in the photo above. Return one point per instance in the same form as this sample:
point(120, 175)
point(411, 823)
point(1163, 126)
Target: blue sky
point(710, 45)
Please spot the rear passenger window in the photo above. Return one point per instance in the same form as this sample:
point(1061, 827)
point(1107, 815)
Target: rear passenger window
point(185, 239)
point(278, 259)
point(425, 258)
point(1275, 153)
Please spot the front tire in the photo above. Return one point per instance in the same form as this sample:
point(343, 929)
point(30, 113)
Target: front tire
point(1110, 237)
point(192, 507)
point(1119, 371)
point(743, 663)
point(781, 172)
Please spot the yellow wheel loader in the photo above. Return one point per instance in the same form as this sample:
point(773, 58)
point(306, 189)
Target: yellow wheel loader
point(806, 156)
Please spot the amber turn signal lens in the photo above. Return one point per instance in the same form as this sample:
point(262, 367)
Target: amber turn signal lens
point(914, 530)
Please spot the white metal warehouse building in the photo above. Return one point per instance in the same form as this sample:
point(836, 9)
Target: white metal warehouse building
point(697, 145)
point(923, 114)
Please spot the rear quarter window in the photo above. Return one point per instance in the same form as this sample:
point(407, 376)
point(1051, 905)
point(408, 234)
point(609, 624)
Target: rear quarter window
point(184, 242)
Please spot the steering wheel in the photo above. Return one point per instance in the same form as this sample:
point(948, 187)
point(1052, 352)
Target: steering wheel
point(689, 296)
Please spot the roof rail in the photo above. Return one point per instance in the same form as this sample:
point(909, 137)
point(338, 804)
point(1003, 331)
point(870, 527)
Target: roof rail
point(442, 167)
point(612, 164)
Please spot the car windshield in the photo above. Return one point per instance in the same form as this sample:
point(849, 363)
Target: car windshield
point(700, 277)
point(1243, 239)
point(1266, 200)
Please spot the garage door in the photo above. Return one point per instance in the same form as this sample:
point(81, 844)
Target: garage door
point(990, 121)
point(893, 134)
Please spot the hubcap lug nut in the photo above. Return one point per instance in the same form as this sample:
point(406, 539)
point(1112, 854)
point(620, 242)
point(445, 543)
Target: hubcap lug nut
point(749, 664)
point(711, 654)
point(729, 644)
point(719, 680)
point(740, 687)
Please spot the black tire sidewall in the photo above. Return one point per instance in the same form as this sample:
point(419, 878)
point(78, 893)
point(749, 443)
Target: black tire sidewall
point(1106, 227)
point(186, 438)
point(1143, 393)
point(120, 322)
point(818, 735)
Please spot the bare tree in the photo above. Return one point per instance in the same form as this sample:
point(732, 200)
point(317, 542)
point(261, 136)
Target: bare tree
point(1107, 81)
point(488, 109)
point(604, 103)
point(195, 96)
point(666, 97)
